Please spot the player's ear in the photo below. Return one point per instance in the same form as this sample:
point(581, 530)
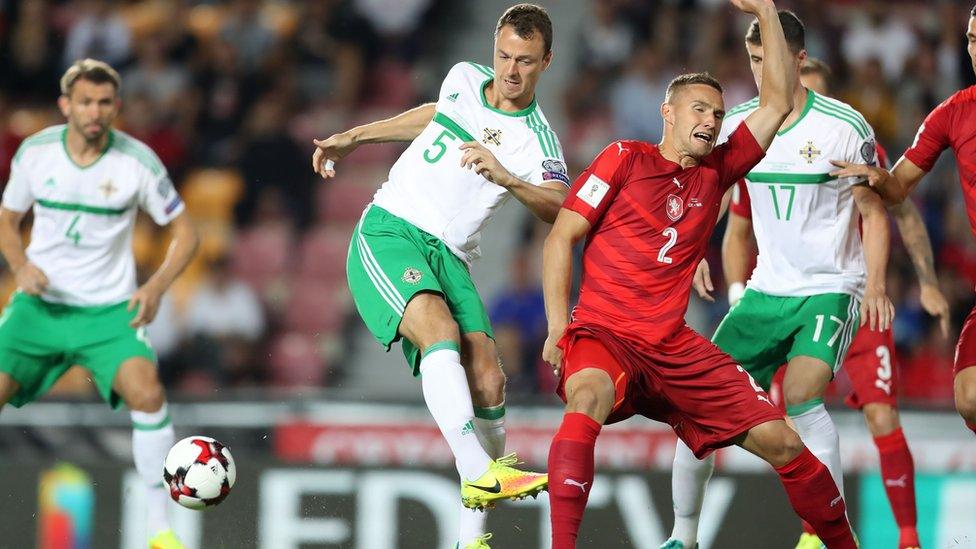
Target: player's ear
point(546, 60)
point(667, 113)
point(64, 103)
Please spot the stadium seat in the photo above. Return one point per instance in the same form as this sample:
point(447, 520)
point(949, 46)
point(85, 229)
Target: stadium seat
point(261, 254)
point(295, 361)
point(341, 202)
point(323, 255)
point(316, 307)
point(210, 194)
point(392, 85)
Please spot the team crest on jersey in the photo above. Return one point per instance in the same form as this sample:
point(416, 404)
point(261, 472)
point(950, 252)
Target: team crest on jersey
point(412, 276)
point(675, 207)
point(164, 187)
point(868, 150)
point(809, 152)
point(107, 188)
point(492, 136)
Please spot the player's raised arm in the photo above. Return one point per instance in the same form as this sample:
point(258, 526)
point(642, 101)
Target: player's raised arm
point(557, 269)
point(405, 126)
point(778, 73)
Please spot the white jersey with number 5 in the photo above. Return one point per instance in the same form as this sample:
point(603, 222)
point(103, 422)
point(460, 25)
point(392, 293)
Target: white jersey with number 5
point(805, 221)
point(427, 185)
point(83, 216)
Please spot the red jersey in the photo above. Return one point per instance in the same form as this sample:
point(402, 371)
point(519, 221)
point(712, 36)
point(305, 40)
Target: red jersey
point(741, 205)
point(951, 124)
point(650, 223)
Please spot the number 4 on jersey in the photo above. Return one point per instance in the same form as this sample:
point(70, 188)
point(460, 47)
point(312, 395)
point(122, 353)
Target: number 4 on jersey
point(72, 233)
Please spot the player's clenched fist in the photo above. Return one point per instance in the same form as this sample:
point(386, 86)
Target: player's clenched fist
point(753, 6)
point(31, 279)
point(476, 157)
point(877, 311)
point(552, 354)
point(333, 148)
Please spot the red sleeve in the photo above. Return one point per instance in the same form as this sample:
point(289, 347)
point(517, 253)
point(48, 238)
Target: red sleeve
point(883, 160)
point(741, 205)
point(734, 158)
point(932, 138)
point(595, 188)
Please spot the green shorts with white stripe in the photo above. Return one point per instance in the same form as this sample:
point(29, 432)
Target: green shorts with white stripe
point(391, 260)
point(762, 332)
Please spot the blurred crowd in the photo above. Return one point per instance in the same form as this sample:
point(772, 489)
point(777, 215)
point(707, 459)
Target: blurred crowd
point(230, 94)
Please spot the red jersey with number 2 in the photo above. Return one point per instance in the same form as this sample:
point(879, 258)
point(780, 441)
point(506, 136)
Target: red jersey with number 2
point(650, 224)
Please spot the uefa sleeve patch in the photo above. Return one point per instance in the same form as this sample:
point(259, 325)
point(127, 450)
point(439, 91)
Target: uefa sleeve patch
point(593, 191)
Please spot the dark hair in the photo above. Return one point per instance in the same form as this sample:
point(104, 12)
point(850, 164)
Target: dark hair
point(690, 79)
point(92, 70)
point(528, 19)
point(812, 65)
point(793, 29)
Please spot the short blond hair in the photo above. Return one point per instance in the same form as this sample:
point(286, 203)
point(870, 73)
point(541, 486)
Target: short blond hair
point(92, 70)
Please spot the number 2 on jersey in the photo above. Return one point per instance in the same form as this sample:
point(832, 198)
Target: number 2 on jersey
point(439, 146)
point(73, 233)
point(672, 235)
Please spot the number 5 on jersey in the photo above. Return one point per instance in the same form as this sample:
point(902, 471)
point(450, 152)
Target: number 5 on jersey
point(438, 145)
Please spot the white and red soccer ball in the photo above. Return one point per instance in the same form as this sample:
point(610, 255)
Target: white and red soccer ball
point(199, 472)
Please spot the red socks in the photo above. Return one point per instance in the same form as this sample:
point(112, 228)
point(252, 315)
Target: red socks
point(898, 475)
point(570, 476)
point(815, 498)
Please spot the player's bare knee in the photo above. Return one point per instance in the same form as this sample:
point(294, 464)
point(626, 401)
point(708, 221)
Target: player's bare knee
point(783, 447)
point(590, 392)
point(881, 419)
point(427, 320)
point(799, 394)
point(148, 398)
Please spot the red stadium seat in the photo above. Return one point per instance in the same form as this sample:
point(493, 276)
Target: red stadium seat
point(295, 361)
point(261, 254)
point(341, 202)
point(322, 255)
point(316, 307)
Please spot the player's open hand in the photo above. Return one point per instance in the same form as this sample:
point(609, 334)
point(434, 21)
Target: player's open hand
point(146, 302)
point(31, 279)
point(936, 305)
point(703, 281)
point(551, 352)
point(476, 157)
point(877, 310)
point(874, 175)
point(753, 6)
point(328, 151)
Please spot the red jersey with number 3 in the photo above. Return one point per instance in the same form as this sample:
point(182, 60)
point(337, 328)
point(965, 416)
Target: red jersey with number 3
point(951, 124)
point(650, 224)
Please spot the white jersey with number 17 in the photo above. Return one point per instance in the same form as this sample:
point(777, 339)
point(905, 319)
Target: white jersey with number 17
point(83, 216)
point(429, 188)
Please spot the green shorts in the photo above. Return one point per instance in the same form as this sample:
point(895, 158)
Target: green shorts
point(763, 332)
point(39, 341)
point(391, 260)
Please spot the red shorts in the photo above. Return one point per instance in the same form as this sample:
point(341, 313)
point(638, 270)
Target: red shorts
point(872, 368)
point(684, 381)
point(966, 348)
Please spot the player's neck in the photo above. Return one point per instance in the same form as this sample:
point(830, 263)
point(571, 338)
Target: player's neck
point(800, 98)
point(82, 151)
point(496, 100)
point(670, 152)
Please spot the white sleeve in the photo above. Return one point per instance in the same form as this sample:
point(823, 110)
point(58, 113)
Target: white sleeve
point(548, 164)
point(861, 150)
point(17, 194)
point(159, 198)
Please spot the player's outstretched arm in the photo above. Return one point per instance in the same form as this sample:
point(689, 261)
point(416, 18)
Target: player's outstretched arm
point(893, 186)
point(876, 309)
point(405, 126)
point(737, 254)
point(916, 239)
point(778, 73)
point(182, 247)
point(29, 277)
point(557, 270)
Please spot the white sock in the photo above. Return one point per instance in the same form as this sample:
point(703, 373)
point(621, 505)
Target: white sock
point(152, 437)
point(818, 433)
point(489, 425)
point(448, 398)
point(689, 477)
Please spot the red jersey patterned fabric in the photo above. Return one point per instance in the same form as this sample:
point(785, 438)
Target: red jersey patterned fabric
point(650, 223)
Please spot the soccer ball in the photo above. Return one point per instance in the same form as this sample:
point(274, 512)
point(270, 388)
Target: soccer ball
point(199, 472)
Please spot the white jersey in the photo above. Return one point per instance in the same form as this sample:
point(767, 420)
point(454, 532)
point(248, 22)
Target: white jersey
point(427, 185)
point(805, 221)
point(83, 216)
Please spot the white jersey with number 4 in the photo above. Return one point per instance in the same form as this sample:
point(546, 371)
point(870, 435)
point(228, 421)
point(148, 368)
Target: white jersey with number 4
point(805, 221)
point(427, 185)
point(83, 216)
